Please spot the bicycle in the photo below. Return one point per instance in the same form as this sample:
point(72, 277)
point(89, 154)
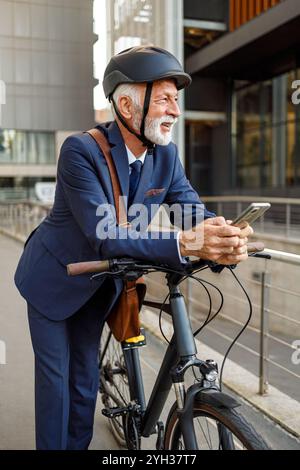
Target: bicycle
point(203, 416)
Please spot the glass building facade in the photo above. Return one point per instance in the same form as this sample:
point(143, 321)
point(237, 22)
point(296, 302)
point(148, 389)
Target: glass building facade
point(266, 133)
point(148, 22)
point(242, 68)
point(21, 188)
point(21, 151)
point(240, 132)
point(136, 22)
point(25, 147)
point(46, 65)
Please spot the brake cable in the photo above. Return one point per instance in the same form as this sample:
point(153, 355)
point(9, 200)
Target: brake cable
point(242, 330)
point(208, 320)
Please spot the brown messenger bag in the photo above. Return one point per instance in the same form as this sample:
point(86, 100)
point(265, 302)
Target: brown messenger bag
point(124, 319)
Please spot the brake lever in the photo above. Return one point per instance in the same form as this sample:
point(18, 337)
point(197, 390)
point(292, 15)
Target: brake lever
point(106, 273)
point(218, 268)
point(127, 274)
point(260, 255)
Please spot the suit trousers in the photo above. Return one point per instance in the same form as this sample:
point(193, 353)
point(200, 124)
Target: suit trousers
point(67, 373)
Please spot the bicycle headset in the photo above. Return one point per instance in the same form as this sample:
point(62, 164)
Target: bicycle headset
point(142, 64)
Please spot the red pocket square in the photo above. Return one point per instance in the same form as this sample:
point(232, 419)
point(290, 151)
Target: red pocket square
point(154, 192)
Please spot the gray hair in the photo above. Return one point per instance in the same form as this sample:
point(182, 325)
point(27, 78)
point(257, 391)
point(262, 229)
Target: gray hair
point(127, 89)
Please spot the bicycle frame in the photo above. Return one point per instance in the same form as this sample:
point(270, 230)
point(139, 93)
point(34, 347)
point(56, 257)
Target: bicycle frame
point(142, 419)
point(180, 355)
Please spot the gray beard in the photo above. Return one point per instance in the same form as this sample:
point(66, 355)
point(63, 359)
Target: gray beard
point(152, 128)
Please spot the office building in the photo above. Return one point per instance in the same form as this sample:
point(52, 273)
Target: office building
point(46, 64)
point(241, 127)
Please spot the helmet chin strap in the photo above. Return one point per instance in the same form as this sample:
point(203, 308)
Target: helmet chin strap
point(147, 143)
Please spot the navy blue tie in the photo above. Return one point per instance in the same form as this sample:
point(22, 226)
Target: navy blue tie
point(136, 168)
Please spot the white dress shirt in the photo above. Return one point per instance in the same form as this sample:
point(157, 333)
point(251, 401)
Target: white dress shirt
point(131, 159)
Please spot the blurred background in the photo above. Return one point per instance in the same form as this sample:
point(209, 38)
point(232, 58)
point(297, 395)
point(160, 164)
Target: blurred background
point(238, 138)
point(239, 133)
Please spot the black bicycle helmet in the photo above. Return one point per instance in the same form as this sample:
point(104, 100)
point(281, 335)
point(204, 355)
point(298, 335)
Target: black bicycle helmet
point(142, 64)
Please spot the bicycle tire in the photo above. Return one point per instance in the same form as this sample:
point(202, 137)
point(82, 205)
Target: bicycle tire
point(113, 385)
point(243, 434)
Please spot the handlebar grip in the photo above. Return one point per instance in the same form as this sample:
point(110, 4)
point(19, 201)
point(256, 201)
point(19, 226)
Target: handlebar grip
point(255, 247)
point(75, 269)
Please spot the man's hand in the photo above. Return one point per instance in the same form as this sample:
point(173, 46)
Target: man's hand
point(216, 240)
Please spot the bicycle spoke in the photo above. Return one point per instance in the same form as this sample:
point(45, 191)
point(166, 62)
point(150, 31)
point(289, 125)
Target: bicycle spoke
point(206, 421)
point(198, 420)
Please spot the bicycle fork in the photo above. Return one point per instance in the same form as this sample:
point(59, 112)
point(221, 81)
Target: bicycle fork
point(206, 390)
point(187, 351)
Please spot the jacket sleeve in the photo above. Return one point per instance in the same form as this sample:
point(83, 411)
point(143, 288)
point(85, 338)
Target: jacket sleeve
point(182, 193)
point(84, 195)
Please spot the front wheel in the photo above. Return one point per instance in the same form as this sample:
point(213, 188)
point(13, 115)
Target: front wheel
point(215, 429)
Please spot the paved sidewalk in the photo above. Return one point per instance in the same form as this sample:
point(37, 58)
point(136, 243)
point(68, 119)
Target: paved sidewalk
point(17, 376)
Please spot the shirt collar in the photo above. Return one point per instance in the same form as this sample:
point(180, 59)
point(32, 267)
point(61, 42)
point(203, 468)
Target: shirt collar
point(132, 158)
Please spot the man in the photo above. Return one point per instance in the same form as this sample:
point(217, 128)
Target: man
point(66, 315)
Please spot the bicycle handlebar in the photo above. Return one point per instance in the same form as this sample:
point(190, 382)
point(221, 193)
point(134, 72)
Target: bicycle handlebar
point(85, 267)
point(88, 267)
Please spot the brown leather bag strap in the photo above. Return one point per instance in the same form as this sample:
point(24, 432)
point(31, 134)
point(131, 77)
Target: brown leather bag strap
point(121, 214)
point(104, 146)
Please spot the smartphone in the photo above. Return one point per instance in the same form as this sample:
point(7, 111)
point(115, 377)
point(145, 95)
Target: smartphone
point(253, 212)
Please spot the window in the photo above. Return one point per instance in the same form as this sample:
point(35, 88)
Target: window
point(267, 136)
point(20, 188)
point(23, 147)
point(199, 162)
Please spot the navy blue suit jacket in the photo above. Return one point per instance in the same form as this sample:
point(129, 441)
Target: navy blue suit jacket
point(68, 233)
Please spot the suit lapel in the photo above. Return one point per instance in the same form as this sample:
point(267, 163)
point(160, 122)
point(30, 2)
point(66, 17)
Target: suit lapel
point(119, 155)
point(121, 163)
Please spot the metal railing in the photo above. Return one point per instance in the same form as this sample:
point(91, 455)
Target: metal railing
point(275, 318)
point(18, 219)
point(270, 323)
point(266, 312)
point(283, 216)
